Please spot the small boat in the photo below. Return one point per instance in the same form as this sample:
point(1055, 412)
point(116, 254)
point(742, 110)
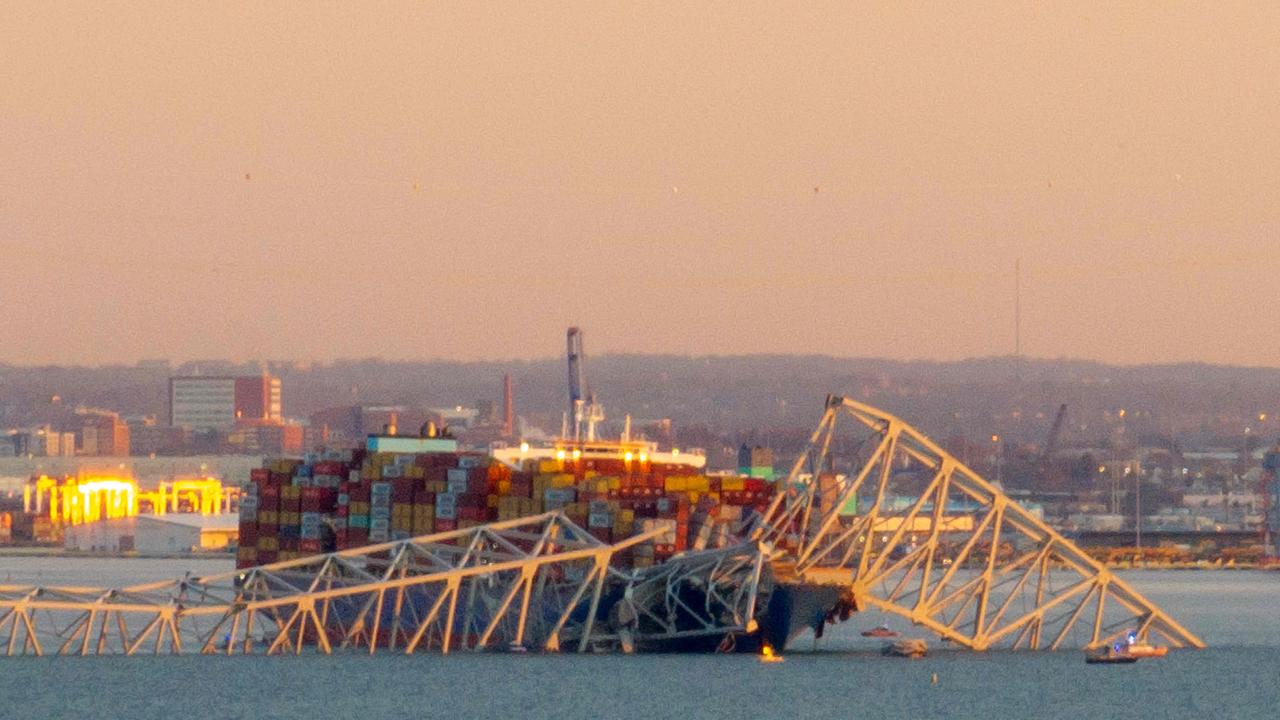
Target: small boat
point(906, 647)
point(880, 631)
point(1146, 650)
point(1111, 655)
point(1142, 648)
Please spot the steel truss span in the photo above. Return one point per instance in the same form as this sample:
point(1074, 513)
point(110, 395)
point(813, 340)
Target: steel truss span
point(958, 558)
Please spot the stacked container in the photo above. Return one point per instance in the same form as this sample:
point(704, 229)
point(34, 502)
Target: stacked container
point(337, 500)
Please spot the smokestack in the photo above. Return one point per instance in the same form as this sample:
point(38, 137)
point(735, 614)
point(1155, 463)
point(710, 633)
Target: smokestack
point(508, 408)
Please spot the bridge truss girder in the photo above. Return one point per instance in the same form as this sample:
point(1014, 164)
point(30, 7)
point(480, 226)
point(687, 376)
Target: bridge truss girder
point(534, 581)
point(962, 560)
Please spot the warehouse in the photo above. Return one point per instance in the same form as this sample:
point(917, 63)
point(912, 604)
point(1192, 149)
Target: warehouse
point(154, 535)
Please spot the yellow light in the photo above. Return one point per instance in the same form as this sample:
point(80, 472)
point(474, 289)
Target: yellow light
point(995, 438)
point(675, 451)
point(577, 453)
point(1262, 417)
point(627, 456)
point(560, 455)
point(1121, 412)
point(524, 447)
point(1102, 468)
point(644, 457)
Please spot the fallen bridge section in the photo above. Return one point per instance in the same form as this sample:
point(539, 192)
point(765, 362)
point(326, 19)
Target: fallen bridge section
point(958, 557)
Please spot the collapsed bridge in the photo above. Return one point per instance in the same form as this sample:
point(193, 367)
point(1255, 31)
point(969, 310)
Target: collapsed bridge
point(961, 560)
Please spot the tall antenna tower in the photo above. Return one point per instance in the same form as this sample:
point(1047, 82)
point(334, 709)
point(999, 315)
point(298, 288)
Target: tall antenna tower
point(1017, 307)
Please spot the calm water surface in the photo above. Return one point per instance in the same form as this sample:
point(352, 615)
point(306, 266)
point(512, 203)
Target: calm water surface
point(1237, 677)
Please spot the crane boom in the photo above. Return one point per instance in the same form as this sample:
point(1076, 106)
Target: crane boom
point(1044, 466)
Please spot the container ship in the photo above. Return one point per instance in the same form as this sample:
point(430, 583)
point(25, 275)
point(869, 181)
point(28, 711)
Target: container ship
point(399, 487)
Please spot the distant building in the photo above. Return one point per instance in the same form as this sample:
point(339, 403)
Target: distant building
point(148, 437)
point(211, 403)
point(103, 434)
point(756, 462)
point(253, 437)
point(43, 441)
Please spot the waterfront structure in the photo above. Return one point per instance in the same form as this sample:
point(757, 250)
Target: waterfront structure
point(218, 403)
point(154, 534)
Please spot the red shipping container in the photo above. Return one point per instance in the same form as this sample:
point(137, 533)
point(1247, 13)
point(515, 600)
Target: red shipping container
point(248, 533)
point(260, 476)
point(446, 525)
point(269, 498)
point(310, 546)
point(318, 499)
point(402, 489)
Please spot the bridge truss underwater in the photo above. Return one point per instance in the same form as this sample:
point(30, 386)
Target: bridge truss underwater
point(960, 560)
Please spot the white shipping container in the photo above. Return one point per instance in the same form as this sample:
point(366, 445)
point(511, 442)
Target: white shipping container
point(599, 520)
point(668, 537)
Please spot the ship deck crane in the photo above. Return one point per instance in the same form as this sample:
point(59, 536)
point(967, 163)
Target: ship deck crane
point(583, 407)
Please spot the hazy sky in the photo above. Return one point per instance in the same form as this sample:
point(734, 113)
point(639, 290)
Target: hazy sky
point(463, 180)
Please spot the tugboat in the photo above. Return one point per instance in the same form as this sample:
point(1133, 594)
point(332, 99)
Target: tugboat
point(1143, 649)
point(880, 631)
point(1116, 654)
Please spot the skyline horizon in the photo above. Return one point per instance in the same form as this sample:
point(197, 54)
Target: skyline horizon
point(147, 362)
point(461, 180)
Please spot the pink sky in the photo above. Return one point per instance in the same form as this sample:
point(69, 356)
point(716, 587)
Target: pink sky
point(463, 180)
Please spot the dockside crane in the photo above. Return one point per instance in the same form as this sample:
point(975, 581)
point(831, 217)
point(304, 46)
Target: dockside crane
point(1045, 466)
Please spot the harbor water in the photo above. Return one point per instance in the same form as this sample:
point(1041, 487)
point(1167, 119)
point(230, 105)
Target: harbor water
point(845, 676)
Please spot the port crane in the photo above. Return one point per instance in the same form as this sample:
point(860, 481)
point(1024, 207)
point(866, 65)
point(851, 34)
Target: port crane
point(1044, 467)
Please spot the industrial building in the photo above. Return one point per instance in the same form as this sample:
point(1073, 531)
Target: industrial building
point(215, 403)
point(154, 534)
